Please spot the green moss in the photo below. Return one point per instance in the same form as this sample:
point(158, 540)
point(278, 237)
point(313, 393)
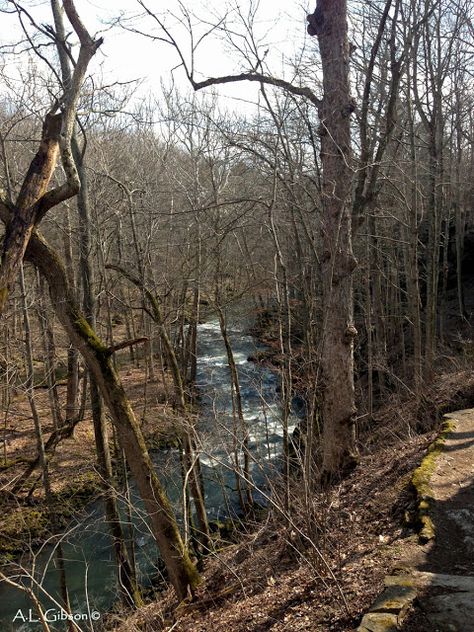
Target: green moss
point(73, 497)
point(191, 571)
point(408, 582)
point(90, 336)
point(160, 441)
point(427, 530)
point(224, 529)
point(21, 527)
point(421, 481)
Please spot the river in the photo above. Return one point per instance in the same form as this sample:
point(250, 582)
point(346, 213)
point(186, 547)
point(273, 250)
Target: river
point(87, 546)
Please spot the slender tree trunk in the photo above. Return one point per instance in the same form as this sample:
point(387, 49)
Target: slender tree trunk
point(127, 577)
point(411, 252)
point(182, 573)
point(433, 249)
point(284, 331)
point(191, 461)
point(49, 347)
point(459, 215)
point(128, 585)
point(72, 389)
point(243, 430)
point(40, 444)
point(369, 325)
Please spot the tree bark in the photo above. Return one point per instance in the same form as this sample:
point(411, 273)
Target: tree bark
point(182, 573)
point(18, 230)
point(34, 199)
point(191, 460)
point(329, 23)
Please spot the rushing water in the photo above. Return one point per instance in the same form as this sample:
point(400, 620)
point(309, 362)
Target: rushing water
point(87, 546)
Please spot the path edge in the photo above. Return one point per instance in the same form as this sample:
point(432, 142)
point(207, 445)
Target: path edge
point(421, 481)
point(389, 609)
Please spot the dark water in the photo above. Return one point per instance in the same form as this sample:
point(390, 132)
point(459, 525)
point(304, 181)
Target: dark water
point(87, 547)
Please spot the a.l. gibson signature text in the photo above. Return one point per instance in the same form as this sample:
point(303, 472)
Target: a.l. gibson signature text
point(52, 615)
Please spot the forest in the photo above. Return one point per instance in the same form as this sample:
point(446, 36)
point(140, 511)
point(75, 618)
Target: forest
point(236, 308)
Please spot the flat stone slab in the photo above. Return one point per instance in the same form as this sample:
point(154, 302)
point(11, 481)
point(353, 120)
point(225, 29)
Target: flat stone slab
point(389, 609)
point(395, 599)
point(464, 518)
point(451, 613)
point(379, 622)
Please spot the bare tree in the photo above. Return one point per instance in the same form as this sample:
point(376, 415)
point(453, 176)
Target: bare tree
point(34, 200)
point(23, 240)
point(329, 23)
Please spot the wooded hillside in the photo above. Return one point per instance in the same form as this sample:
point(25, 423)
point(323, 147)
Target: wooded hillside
point(231, 332)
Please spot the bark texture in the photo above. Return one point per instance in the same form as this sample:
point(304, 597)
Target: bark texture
point(36, 182)
point(329, 23)
point(34, 199)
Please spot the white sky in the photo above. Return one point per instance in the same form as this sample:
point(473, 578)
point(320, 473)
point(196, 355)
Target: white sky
point(124, 56)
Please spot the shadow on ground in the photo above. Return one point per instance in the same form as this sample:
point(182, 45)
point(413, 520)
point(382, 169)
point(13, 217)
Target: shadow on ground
point(446, 602)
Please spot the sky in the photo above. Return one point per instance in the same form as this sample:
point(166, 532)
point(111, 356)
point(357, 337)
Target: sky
point(126, 56)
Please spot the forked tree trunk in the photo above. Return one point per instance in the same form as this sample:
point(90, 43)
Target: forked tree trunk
point(128, 586)
point(18, 230)
point(329, 23)
point(34, 200)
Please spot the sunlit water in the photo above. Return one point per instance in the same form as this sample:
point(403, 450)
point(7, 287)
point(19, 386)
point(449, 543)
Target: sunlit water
point(87, 546)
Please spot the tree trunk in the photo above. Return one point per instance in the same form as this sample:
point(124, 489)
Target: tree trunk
point(242, 433)
point(191, 460)
point(34, 199)
point(128, 586)
point(18, 230)
point(40, 445)
point(182, 573)
point(72, 389)
point(329, 23)
point(49, 347)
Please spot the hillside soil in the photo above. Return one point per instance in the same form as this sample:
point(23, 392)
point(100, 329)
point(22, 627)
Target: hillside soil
point(319, 573)
point(360, 531)
point(24, 519)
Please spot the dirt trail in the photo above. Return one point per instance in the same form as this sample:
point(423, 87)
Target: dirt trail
point(453, 490)
point(434, 581)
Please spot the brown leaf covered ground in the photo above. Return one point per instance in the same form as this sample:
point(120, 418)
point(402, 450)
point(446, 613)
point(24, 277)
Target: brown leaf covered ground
point(72, 468)
point(272, 579)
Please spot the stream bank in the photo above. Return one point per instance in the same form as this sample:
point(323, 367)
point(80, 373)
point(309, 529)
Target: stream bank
point(264, 582)
point(88, 552)
point(26, 521)
point(27, 525)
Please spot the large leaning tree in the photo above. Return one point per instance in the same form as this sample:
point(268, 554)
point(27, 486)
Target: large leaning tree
point(21, 215)
point(34, 199)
